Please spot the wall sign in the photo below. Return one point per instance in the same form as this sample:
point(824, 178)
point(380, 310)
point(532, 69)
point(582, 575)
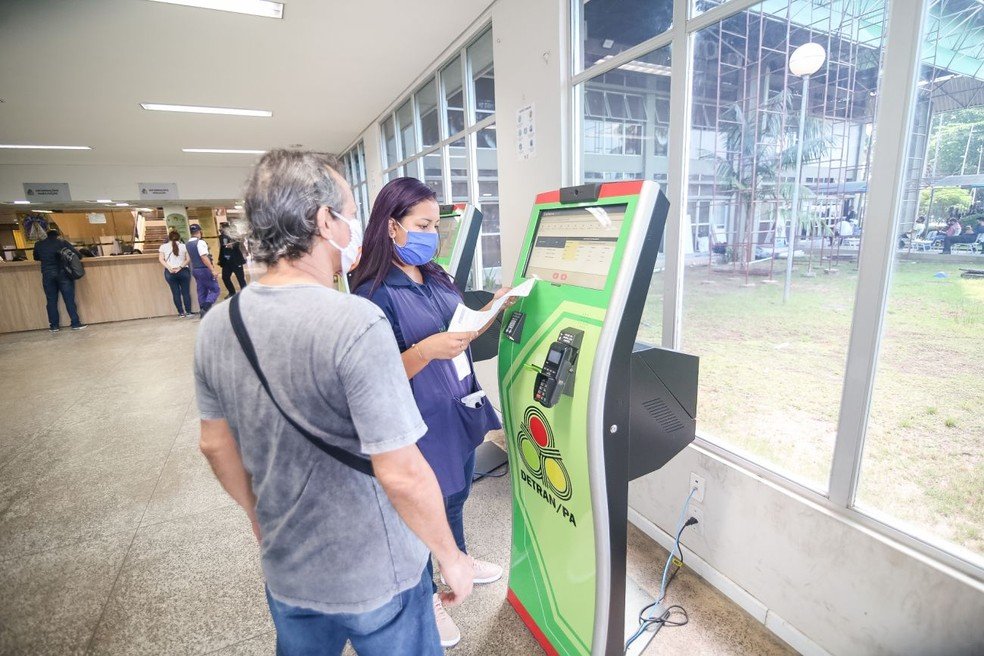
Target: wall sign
point(526, 132)
point(176, 218)
point(158, 190)
point(47, 192)
point(96, 217)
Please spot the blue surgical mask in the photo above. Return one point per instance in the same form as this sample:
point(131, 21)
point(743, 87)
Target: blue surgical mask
point(421, 247)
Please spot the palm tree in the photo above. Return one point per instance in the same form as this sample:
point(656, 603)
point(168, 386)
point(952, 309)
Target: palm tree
point(760, 146)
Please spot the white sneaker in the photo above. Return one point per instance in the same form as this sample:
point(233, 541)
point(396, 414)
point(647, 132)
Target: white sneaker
point(486, 572)
point(450, 635)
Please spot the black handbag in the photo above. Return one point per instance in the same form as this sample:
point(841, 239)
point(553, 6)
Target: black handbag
point(347, 458)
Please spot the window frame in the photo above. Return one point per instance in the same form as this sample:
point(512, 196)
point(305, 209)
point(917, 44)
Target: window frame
point(900, 73)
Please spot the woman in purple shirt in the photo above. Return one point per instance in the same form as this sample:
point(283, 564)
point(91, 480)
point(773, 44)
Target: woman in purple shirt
point(397, 273)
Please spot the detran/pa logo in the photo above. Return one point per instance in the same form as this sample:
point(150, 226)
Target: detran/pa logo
point(547, 475)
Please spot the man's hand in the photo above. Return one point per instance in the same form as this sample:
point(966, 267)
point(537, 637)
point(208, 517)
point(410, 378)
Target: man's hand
point(459, 574)
point(256, 527)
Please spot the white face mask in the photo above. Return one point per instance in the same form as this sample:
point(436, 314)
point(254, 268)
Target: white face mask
point(352, 252)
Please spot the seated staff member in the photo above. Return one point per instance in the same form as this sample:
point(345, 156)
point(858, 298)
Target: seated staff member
point(419, 299)
point(206, 280)
point(173, 256)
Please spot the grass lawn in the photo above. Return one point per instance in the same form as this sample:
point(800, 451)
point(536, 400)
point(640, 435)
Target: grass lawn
point(772, 377)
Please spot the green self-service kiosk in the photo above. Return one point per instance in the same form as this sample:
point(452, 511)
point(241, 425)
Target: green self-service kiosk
point(585, 409)
point(460, 227)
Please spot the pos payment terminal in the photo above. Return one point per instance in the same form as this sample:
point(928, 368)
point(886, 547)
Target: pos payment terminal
point(585, 409)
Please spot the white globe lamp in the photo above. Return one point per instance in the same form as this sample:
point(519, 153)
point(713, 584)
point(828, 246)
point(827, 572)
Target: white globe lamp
point(807, 59)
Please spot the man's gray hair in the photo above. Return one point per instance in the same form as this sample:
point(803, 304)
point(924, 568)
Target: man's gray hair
point(282, 198)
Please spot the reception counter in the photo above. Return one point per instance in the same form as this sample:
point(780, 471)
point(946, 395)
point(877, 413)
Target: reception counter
point(113, 289)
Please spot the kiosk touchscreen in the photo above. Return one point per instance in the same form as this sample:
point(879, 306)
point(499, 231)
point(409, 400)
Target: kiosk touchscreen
point(460, 227)
point(585, 408)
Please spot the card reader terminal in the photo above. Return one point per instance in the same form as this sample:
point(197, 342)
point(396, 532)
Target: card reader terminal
point(514, 328)
point(556, 375)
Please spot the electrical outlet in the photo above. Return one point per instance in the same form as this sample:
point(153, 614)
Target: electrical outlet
point(697, 482)
point(697, 513)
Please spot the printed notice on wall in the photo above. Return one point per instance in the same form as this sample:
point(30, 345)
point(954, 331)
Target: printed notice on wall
point(525, 133)
point(96, 218)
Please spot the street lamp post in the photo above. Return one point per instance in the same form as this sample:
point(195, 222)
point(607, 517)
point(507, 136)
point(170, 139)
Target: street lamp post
point(804, 62)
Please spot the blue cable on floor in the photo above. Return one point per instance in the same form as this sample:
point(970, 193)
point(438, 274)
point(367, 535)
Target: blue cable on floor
point(666, 569)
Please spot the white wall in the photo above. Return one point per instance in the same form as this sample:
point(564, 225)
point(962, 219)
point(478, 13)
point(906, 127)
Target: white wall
point(822, 582)
point(92, 182)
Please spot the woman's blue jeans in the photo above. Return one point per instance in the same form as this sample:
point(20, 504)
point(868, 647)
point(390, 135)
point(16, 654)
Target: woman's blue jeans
point(454, 508)
point(180, 284)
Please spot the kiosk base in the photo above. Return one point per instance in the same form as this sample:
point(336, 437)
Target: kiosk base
point(488, 457)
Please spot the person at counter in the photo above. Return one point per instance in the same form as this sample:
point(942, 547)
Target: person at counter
point(174, 258)
point(55, 281)
point(206, 280)
point(231, 260)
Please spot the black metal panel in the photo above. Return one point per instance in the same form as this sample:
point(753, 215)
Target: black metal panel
point(663, 407)
point(580, 193)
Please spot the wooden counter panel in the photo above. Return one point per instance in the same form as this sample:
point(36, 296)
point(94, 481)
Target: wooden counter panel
point(113, 289)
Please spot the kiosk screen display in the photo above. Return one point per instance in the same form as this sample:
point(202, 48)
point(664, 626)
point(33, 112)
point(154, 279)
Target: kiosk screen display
point(448, 232)
point(576, 246)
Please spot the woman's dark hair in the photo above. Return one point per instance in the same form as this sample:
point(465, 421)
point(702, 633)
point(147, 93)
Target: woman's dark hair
point(174, 238)
point(395, 201)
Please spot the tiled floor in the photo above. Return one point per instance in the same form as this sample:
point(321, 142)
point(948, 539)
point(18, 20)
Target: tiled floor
point(116, 539)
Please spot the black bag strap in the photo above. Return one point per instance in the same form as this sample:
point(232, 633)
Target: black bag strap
point(348, 458)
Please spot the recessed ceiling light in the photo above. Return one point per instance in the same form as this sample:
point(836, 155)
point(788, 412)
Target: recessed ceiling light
point(264, 8)
point(40, 147)
point(42, 211)
point(224, 151)
point(22, 202)
point(196, 109)
point(122, 204)
point(104, 200)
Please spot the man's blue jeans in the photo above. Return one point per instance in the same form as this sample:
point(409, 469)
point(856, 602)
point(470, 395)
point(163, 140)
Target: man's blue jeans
point(56, 282)
point(403, 626)
point(454, 508)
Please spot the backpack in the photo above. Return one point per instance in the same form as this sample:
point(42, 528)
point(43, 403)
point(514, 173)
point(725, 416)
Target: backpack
point(70, 263)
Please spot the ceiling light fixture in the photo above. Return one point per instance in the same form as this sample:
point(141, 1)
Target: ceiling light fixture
point(22, 202)
point(122, 204)
point(104, 200)
point(262, 8)
point(196, 109)
point(42, 211)
point(40, 147)
point(223, 151)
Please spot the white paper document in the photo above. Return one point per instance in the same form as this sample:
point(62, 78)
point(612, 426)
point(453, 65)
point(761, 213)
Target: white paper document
point(468, 320)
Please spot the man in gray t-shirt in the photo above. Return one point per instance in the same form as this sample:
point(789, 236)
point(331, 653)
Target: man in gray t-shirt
point(336, 544)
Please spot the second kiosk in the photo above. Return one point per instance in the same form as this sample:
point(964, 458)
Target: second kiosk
point(585, 408)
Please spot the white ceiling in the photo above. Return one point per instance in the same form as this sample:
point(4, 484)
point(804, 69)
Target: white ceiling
point(73, 72)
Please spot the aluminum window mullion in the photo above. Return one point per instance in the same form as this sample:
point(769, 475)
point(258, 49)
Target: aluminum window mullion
point(644, 48)
point(677, 184)
point(896, 105)
point(467, 90)
point(418, 130)
point(718, 14)
point(484, 123)
point(471, 143)
point(577, 133)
